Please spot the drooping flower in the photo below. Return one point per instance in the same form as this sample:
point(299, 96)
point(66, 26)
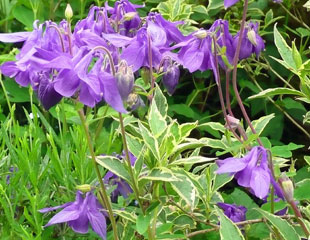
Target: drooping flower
point(223, 39)
point(195, 53)
point(251, 171)
point(233, 212)
point(173, 34)
point(124, 79)
point(79, 214)
point(122, 187)
point(251, 41)
point(125, 17)
point(171, 76)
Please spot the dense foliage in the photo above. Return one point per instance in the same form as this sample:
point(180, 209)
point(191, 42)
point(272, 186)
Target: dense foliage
point(154, 120)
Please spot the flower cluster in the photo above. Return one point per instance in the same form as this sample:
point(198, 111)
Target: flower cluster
point(98, 60)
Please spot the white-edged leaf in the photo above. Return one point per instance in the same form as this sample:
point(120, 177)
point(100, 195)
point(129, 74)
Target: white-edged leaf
point(149, 140)
point(114, 165)
point(260, 124)
point(192, 160)
point(270, 92)
point(284, 50)
point(285, 229)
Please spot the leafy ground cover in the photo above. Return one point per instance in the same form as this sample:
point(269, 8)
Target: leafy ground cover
point(154, 120)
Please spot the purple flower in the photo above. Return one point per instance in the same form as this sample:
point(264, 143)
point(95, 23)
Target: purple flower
point(251, 41)
point(122, 187)
point(173, 34)
point(125, 80)
point(171, 76)
point(79, 214)
point(223, 39)
point(196, 51)
point(233, 212)
point(125, 17)
point(229, 3)
point(251, 171)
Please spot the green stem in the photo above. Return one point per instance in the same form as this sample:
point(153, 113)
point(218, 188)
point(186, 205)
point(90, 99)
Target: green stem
point(299, 217)
point(103, 192)
point(132, 176)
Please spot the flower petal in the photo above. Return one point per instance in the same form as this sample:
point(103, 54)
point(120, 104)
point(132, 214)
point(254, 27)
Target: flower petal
point(14, 37)
point(260, 182)
point(231, 165)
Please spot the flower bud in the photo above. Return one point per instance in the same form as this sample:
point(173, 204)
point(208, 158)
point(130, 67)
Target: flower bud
point(200, 34)
point(134, 101)
point(68, 12)
point(287, 187)
point(171, 77)
point(145, 75)
point(84, 188)
point(129, 16)
point(252, 37)
point(125, 80)
point(234, 122)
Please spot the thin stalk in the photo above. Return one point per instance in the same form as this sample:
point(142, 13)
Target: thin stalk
point(298, 217)
point(294, 17)
point(228, 104)
point(103, 192)
point(234, 75)
point(134, 185)
point(219, 87)
point(252, 221)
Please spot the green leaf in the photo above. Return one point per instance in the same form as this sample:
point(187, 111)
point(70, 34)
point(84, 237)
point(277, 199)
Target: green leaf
point(161, 102)
point(135, 145)
point(143, 222)
point(260, 124)
point(192, 160)
point(160, 174)
point(24, 15)
point(285, 229)
point(185, 188)
point(200, 9)
point(228, 230)
point(186, 128)
point(284, 50)
point(270, 92)
point(302, 190)
point(214, 125)
point(296, 55)
point(149, 140)
point(15, 92)
point(114, 165)
point(285, 150)
point(156, 121)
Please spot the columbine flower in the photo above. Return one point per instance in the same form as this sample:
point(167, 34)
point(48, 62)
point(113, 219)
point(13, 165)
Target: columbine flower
point(173, 34)
point(196, 51)
point(251, 41)
point(171, 76)
point(233, 212)
point(79, 214)
point(123, 17)
point(251, 171)
point(122, 187)
point(229, 3)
